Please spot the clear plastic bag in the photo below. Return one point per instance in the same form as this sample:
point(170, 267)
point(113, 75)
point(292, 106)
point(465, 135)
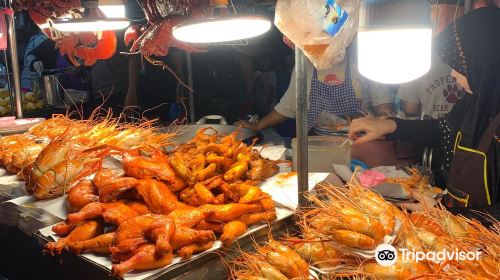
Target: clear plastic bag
point(330, 121)
point(305, 22)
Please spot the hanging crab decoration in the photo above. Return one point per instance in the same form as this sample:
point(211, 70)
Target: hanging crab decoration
point(155, 38)
point(86, 47)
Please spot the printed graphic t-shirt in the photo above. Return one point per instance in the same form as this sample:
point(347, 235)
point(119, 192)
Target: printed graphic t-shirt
point(436, 92)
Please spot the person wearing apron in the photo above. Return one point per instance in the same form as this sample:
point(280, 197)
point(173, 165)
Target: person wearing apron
point(469, 134)
point(333, 91)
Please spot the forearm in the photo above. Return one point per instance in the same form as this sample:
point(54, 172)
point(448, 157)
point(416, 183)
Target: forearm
point(272, 119)
point(422, 133)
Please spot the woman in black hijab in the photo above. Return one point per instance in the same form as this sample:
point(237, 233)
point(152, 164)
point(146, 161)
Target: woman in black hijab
point(469, 135)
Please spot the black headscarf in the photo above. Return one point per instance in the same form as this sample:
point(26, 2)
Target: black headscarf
point(471, 46)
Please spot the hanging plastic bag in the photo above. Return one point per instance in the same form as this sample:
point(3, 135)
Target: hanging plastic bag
point(3, 27)
point(323, 29)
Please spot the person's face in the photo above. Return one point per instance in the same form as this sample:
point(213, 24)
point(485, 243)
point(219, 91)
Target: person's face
point(461, 80)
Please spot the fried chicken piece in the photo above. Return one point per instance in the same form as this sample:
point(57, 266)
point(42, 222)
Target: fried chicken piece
point(139, 207)
point(188, 217)
point(157, 196)
point(201, 193)
point(154, 167)
point(231, 231)
point(219, 149)
point(80, 195)
point(187, 252)
point(184, 236)
point(220, 199)
point(261, 169)
point(236, 172)
point(242, 192)
point(180, 167)
point(84, 231)
point(197, 163)
point(140, 230)
point(213, 226)
point(98, 245)
point(223, 163)
point(145, 257)
point(110, 183)
point(229, 212)
point(252, 218)
point(63, 229)
point(267, 203)
point(207, 172)
point(113, 213)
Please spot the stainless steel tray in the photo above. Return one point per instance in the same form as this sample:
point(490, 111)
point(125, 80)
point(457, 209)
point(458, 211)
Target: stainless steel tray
point(208, 265)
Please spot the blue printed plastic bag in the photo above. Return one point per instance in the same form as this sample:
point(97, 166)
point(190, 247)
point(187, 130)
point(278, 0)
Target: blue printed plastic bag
point(335, 17)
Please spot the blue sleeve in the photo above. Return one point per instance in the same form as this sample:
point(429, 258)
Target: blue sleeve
point(33, 43)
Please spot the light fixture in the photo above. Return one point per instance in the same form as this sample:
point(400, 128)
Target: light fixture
point(112, 8)
point(221, 25)
point(394, 40)
point(92, 20)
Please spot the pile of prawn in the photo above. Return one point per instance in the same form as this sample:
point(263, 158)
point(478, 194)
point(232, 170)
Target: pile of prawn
point(339, 220)
point(149, 205)
point(416, 181)
point(56, 153)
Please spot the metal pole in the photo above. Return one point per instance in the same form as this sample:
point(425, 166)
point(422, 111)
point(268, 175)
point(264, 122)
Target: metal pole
point(15, 67)
point(190, 83)
point(467, 6)
point(302, 145)
point(9, 83)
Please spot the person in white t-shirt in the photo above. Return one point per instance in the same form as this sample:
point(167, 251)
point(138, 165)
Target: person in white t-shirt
point(343, 99)
point(265, 83)
point(432, 95)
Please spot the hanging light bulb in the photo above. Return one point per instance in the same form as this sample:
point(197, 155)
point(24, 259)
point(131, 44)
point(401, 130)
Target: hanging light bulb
point(91, 21)
point(221, 26)
point(394, 40)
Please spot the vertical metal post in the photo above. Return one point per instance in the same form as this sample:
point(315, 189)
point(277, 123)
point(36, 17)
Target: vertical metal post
point(467, 6)
point(190, 83)
point(15, 67)
point(302, 141)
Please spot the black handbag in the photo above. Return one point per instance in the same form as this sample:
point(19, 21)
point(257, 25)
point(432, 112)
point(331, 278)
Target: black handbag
point(467, 183)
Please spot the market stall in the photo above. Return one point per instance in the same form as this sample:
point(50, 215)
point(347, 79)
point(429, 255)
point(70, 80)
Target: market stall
point(104, 198)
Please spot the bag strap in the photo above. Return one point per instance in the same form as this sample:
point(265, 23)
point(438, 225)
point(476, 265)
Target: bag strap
point(489, 134)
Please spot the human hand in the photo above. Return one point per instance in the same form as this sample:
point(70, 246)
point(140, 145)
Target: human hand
point(246, 124)
point(373, 129)
point(38, 66)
